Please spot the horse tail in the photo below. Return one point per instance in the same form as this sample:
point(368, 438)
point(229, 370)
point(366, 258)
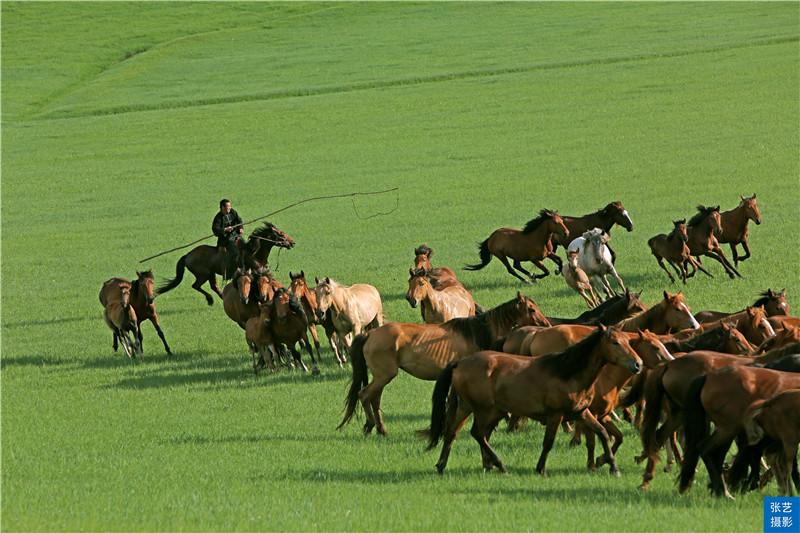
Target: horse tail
point(653, 400)
point(439, 408)
point(174, 282)
point(695, 430)
point(634, 394)
point(360, 377)
point(485, 254)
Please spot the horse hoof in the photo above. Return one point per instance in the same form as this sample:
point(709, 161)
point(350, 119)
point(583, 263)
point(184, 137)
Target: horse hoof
point(315, 371)
point(644, 487)
point(616, 473)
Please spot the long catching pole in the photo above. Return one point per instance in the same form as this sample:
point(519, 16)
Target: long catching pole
point(295, 204)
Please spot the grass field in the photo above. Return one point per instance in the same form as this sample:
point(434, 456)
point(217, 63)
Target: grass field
point(124, 124)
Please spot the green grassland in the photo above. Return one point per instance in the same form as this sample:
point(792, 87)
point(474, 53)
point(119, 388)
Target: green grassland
point(123, 124)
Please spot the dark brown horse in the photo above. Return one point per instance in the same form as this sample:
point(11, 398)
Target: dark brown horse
point(674, 249)
point(725, 339)
point(608, 313)
point(773, 302)
point(703, 228)
point(605, 218)
point(734, 226)
point(206, 262)
point(288, 324)
point(440, 277)
point(143, 302)
point(723, 397)
point(552, 388)
point(532, 243)
point(423, 350)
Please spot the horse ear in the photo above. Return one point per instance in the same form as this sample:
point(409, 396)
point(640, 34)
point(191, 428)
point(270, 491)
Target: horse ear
point(411, 272)
point(770, 293)
point(783, 291)
point(316, 280)
point(520, 296)
point(641, 335)
point(302, 274)
point(741, 197)
point(327, 279)
point(754, 196)
point(602, 328)
point(666, 295)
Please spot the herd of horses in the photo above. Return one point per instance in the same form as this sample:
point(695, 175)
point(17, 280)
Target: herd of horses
point(679, 371)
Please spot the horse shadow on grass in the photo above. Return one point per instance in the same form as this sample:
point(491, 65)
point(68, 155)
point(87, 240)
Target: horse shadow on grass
point(359, 477)
point(184, 439)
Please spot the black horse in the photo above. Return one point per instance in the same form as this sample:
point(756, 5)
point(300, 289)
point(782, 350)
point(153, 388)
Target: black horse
point(205, 261)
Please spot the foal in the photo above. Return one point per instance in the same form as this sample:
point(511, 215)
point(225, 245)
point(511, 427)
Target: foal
point(115, 297)
point(674, 249)
point(577, 279)
point(734, 226)
point(143, 302)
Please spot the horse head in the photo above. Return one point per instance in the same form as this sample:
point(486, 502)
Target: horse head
point(528, 313)
point(619, 215)
point(733, 341)
point(680, 229)
point(676, 313)
point(595, 240)
point(243, 280)
point(422, 257)
point(125, 295)
point(750, 206)
point(618, 351)
point(324, 293)
point(557, 225)
point(146, 282)
point(774, 303)
point(418, 286)
point(757, 322)
point(650, 349)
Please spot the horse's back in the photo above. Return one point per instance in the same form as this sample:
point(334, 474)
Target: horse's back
point(109, 292)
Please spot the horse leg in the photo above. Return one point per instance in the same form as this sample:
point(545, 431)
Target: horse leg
point(296, 356)
point(666, 430)
point(734, 253)
point(314, 366)
point(519, 267)
point(746, 247)
point(540, 266)
point(380, 378)
point(157, 325)
point(483, 424)
point(198, 286)
point(115, 335)
point(503, 259)
point(713, 454)
point(661, 264)
point(606, 285)
point(312, 328)
point(616, 277)
point(557, 260)
point(586, 298)
point(456, 417)
point(613, 431)
point(547, 445)
point(592, 423)
point(717, 255)
point(212, 281)
point(590, 446)
point(698, 266)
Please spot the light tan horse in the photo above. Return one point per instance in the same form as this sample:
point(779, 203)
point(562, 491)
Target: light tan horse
point(577, 279)
point(119, 314)
point(532, 243)
point(438, 306)
point(440, 277)
point(354, 309)
point(423, 350)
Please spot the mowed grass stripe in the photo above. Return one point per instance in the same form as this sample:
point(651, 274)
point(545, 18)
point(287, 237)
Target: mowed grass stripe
point(383, 84)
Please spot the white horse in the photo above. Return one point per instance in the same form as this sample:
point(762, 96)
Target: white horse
point(354, 309)
point(595, 259)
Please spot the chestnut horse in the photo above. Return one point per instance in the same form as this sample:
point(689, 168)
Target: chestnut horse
point(556, 387)
point(725, 339)
point(441, 277)
point(605, 218)
point(532, 243)
point(119, 314)
point(206, 262)
point(308, 299)
point(424, 350)
point(774, 303)
point(783, 337)
point(723, 397)
point(752, 322)
point(734, 226)
point(236, 298)
point(674, 249)
point(438, 306)
point(144, 304)
point(702, 229)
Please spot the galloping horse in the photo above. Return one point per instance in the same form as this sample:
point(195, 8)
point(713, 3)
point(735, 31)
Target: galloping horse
point(752, 322)
point(423, 350)
point(725, 339)
point(236, 297)
point(703, 227)
point(734, 226)
point(288, 324)
point(605, 218)
point(530, 244)
point(308, 299)
point(576, 278)
point(552, 388)
point(438, 305)
point(594, 258)
point(205, 261)
point(774, 303)
point(441, 277)
point(119, 315)
point(674, 249)
point(143, 302)
point(353, 309)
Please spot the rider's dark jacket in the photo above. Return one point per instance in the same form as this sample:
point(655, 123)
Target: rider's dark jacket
point(223, 221)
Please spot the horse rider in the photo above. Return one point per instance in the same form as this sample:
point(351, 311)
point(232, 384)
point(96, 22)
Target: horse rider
point(228, 227)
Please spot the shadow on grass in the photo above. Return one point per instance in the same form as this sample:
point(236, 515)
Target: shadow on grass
point(34, 360)
point(180, 440)
point(371, 477)
point(53, 321)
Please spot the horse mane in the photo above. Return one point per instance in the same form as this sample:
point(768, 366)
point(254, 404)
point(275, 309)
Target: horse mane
point(607, 209)
point(765, 297)
point(264, 231)
point(423, 249)
point(147, 274)
point(534, 223)
point(573, 359)
point(698, 342)
point(702, 213)
point(294, 303)
point(479, 328)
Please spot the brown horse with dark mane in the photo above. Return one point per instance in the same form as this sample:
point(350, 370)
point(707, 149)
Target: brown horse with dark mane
point(609, 312)
point(308, 299)
point(605, 218)
point(703, 228)
point(674, 249)
point(532, 243)
point(440, 277)
point(206, 262)
point(423, 350)
point(734, 226)
point(773, 302)
point(552, 388)
point(143, 301)
point(119, 314)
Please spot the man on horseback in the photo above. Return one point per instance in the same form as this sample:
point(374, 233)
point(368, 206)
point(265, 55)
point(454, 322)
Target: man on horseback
point(228, 227)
